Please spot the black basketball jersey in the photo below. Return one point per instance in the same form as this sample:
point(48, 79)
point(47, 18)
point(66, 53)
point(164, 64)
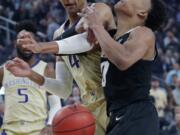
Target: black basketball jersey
point(125, 87)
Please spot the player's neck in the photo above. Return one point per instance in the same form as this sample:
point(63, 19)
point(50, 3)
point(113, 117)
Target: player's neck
point(32, 61)
point(73, 18)
point(124, 25)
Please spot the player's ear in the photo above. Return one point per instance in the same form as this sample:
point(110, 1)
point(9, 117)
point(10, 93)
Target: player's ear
point(142, 14)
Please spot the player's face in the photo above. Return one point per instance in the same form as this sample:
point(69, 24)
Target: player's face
point(125, 7)
point(73, 6)
point(23, 53)
point(132, 7)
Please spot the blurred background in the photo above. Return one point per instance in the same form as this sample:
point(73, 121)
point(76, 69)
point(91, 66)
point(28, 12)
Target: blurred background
point(48, 15)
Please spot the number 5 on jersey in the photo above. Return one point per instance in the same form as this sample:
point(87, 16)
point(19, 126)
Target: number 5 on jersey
point(104, 70)
point(21, 92)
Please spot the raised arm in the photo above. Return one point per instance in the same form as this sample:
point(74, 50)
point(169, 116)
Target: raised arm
point(140, 44)
point(72, 45)
point(59, 87)
point(124, 56)
point(66, 44)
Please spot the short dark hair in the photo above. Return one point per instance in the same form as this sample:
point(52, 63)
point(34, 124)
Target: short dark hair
point(26, 25)
point(157, 15)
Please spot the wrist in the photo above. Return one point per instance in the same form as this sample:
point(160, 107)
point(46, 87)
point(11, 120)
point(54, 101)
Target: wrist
point(40, 47)
point(29, 73)
point(97, 27)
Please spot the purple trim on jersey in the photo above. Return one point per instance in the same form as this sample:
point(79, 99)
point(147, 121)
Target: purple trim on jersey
point(3, 133)
point(36, 62)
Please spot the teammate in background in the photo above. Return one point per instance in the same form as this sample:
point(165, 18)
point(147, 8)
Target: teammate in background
point(126, 64)
point(84, 68)
point(26, 105)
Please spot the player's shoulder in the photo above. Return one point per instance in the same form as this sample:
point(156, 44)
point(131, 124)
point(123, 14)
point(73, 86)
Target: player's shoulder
point(58, 31)
point(42, 62)
point(145, 32)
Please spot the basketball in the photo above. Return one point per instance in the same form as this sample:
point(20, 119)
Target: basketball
point(73, 120)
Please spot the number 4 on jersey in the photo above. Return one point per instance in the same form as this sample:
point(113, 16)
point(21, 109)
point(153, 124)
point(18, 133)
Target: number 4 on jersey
point(74, 61)
point(104, 70)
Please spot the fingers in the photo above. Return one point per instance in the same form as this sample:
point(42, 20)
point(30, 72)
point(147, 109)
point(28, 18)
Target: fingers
point(86, 11)
point(82, 14)
point(9, 64)
point(24, 41)
point(18, 60)
point(15, 62)
point(11, 67)
point(24, 34)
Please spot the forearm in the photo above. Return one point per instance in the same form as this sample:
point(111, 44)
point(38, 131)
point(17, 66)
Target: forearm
point(49, 47)
point(37, 78)
point(113, 50)
point(54, 106)
point(52, 47)
point(72, 45)
point(56, 87)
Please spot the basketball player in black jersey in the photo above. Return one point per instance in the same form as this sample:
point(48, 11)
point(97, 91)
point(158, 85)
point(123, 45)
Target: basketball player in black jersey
point(126, 65)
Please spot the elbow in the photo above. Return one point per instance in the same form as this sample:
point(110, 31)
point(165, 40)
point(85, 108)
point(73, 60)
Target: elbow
point(123, 64)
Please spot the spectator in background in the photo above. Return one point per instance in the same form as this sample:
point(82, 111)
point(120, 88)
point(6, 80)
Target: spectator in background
point(160, 97)
point(52, 27)
point(171, 76)
point(170, 39)
point(176, 92)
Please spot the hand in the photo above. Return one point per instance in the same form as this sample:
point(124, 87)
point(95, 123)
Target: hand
point(82, 25)
point(91, 37)
point(47, 131)
point(18, 68)
point(27, 41)
point(91, 16)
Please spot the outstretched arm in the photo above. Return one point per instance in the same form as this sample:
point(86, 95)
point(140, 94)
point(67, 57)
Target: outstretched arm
point(140, 41)
point(53, 102)
point(72, 45)
point(59, 87)
point(69, 45)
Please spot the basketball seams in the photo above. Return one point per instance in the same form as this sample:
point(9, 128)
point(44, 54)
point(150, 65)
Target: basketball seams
point(66, 131)
point(61, 120)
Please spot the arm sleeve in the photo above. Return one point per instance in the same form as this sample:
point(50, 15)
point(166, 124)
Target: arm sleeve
point(54, 106)
point(74, 45)
point(62, 86)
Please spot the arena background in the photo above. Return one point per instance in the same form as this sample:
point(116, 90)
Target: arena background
point(48, 15)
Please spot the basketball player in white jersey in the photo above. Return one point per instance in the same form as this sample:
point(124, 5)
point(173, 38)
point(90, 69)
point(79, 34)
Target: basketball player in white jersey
point(26, 105)
point(84, 68)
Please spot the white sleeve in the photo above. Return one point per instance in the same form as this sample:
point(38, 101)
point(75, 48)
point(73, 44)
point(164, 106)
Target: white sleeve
point(61, 87)
point(74, 45)
point(54, 106)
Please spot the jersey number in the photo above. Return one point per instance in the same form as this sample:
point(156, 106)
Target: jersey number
point(21, 92)
point(104, 70)
point(74, 61)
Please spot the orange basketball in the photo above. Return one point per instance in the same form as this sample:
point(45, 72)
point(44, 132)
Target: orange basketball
point(73, 120)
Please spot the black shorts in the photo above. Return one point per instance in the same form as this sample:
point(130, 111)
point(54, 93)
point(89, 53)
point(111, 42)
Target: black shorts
point(139, 118)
